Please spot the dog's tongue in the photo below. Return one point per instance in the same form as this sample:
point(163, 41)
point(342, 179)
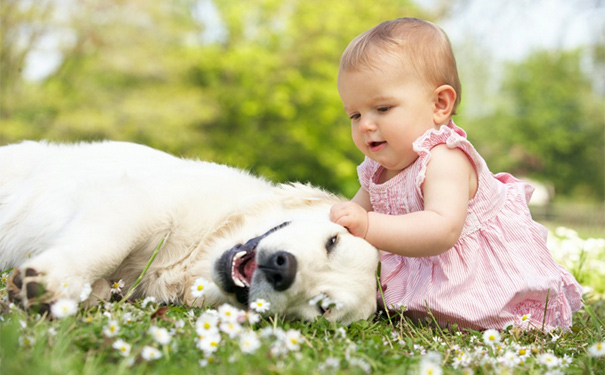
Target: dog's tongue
point(249, 269)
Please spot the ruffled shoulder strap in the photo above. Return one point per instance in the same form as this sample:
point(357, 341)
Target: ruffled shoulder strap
point(366, 171)
point(453, 137)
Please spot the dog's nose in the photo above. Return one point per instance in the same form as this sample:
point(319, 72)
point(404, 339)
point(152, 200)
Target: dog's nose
point(279, 270)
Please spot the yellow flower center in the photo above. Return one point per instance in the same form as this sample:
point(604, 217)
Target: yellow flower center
point(522, 351)
point(207, 325)
point(116, 285)
point(200, 287)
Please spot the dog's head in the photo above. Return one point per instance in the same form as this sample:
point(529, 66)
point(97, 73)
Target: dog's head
point(304, 268)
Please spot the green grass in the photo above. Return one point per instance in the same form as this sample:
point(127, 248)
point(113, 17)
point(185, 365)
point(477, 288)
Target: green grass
point(79, 344)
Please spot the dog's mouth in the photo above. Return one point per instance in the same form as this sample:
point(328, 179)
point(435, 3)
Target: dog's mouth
point(243, 266)
point(235, 269)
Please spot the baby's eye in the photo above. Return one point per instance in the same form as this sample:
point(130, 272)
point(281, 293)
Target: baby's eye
point(383, 109)
point(354, 116)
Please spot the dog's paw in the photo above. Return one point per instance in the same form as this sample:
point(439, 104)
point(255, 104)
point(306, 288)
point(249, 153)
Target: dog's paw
point(26, 289)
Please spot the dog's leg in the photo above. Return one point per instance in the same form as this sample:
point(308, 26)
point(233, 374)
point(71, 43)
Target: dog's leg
point(85, 253)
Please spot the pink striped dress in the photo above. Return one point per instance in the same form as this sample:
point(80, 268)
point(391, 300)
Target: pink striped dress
point(500, 270)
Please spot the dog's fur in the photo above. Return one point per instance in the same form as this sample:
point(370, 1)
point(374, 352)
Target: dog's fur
point(94, 213)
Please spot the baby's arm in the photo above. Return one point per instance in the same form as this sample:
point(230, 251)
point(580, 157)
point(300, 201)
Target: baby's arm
point(449, 184)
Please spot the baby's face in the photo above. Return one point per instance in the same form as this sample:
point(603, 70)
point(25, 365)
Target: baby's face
point(389, 109)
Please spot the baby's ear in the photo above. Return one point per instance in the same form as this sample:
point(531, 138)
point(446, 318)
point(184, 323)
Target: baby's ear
point(444, 98)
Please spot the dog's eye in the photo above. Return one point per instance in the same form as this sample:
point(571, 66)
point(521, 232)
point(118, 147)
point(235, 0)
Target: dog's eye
point(331, 243)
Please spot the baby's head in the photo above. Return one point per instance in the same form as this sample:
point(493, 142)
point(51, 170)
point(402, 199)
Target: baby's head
point(408, 43)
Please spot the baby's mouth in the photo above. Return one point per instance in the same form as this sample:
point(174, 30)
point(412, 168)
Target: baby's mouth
point(376, 145)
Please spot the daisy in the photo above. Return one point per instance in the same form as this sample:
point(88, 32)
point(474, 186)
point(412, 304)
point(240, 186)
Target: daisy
point(150, 353)
point(461, 360)
point(27, 341)
point(85, 293)
point(260, 306)
point(510, 359)
point(597, 350)
point(207, 322)
point(209, 343)
point(467, 371)
point(63, 308)
point(123, 347)
point(228, 313)
point(117, 286)
point(430, 368)
point(233, 329)
point(251, 317)
point(147, 301)
point(160, 335)
point(491, 337)
point(249, 342)
point(127, 318)
point(292, 339)
point(111, 329)
point(198, 287)
point(549, 360)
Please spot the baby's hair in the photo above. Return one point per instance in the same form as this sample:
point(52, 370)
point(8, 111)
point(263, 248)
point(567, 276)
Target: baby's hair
point(413, 41)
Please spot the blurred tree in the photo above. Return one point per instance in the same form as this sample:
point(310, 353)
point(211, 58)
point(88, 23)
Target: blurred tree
point(261, 92)
point(273, 79)
point(550, 125)
point(262, 97)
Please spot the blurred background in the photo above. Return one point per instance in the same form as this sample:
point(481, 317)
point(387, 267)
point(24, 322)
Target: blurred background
point(252, 83)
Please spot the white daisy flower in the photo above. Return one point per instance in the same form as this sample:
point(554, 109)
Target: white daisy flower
point(209, 343)
point(549, 360)
point(147, 301)
point(199, 287)
point(160, 335)
point(428, 367)
point(491, 337)
point(461, 360)
point(117, 286)
point(597, 349)
point(85, 293)
point(232, 329)
point(292, 340)
point(122, 347)
point(252, 317)
point(64, 307)
point(207, 322)
point(325, 302)
point(510, 359)
point(27, 341)
point(260, 306)
point(127, 318)
point(228, 313)
point(249, 342)
point(150, 353)
point(111, 329)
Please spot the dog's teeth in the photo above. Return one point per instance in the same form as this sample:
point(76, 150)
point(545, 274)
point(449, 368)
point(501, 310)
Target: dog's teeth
point(239, 255)
point(238, 282)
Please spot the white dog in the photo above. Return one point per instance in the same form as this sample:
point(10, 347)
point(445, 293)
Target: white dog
point(72, 215)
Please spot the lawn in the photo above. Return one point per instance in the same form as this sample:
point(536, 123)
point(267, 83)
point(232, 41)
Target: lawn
point(144, 338)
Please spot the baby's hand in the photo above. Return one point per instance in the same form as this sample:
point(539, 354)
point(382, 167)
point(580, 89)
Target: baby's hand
point(351, 216)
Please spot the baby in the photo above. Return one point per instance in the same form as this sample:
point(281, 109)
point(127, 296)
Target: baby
point(458, 241)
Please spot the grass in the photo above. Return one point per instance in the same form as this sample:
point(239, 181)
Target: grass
point(83, 343)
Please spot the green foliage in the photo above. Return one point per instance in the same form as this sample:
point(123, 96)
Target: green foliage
point(262, 94)
point(550, 126)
